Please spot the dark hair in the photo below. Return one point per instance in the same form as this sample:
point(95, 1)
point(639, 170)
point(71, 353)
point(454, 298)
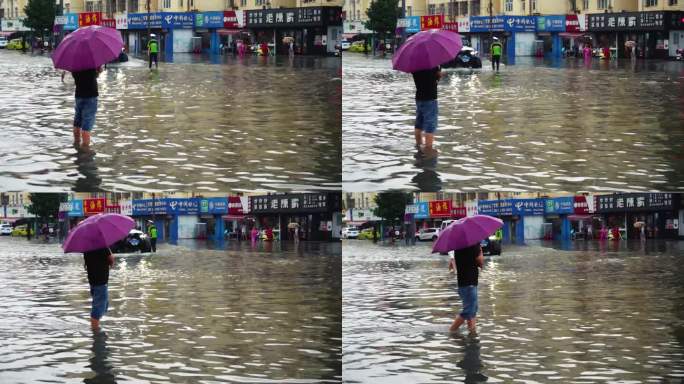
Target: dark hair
point(471, 251)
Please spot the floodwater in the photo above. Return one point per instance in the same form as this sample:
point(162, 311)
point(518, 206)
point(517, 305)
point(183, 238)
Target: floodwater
point(537, 125)
point(255, 123)
point(594, 313)
point(184, 314)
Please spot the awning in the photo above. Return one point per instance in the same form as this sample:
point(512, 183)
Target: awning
point(348, 36)
point(6, 33)
point(8, 219)
point(579, 217)
point(233, 217)
point(356, 223)
point(568, 34)
point(224, 31)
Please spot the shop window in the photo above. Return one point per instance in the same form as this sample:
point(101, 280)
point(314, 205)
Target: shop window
point(509, 5)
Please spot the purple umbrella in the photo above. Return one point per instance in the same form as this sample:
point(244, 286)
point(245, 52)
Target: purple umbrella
point(427, 49)
point(87, 48)
point(466, 232)
point(98, 232)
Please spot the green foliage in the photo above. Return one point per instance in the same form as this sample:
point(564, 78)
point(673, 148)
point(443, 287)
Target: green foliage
point(392, 205)
point(44, 205)
point(40, 15)
point(382, 16)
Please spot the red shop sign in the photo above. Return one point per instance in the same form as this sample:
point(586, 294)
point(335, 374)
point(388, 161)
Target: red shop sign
point(93, 206)
point(459, 212)
point(230, 20)
point(440, 208)
point(431, 22)
point(581, 206)
point(450, 26)
point(111, 23)
point(89, 18)
point(572, 24)
point(235, 206)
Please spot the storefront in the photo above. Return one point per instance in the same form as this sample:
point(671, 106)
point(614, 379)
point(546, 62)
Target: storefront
point(75, 213)
point(676, 35)
point(482, 29)
point(641, 215)
point(548, 38)
point(315, 30)
point(556, 223)
point(218, 31)
point(523, 218)
point(317, 215)
point(647, 30)
point(173, 30)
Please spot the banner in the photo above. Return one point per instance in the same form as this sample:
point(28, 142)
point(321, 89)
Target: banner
point(431, 22)
point(89, 18)
point(93, 206)
point(235, 206)
point(76, 208)
point(463, 24)
point(551, 23)
point(423, 210)
point(121, 20)
point(440, 208)
point(560, 206)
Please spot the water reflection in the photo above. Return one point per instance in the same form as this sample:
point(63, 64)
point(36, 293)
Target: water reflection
point(594, 312)
point(99, 362)
point(260, 125)
point(556, 126)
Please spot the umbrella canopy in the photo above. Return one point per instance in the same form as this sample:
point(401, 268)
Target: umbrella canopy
point(427, 49)
point(293, 225)
point(99, 231)
point(88, 48)
point(630, 43)
point(639, 224)
point(466, 232)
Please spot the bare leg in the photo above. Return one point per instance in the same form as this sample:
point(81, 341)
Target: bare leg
point(429, 138)
point(86, 139)
point(94, 323)
point(418, 133)
point(456, 324)
point(472, 326)
point(77, 136)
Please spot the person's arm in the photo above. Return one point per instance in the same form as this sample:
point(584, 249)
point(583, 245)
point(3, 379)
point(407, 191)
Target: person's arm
point(452, 265)
point(479, 260)
point(110, 258)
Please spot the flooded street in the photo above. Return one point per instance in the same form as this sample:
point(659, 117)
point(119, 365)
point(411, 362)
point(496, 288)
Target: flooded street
point(592, 313)
point(184, 314)
point(252, 123)
point(533, 126)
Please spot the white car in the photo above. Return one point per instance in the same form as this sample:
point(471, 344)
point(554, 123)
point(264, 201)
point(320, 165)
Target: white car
point(5, 229)
point(445, 224)
point(427, 234)
point(3, 42)
point(350, 233)
point(345, 44)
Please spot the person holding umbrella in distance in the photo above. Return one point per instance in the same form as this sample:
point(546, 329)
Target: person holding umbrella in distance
point(421, 56)
point(93, 237)
point(463, 237)
point(83, 53)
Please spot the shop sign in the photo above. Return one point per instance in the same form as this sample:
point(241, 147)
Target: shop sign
point(677, 20)
point(572, 24)
point(148, 207)
point(89, 18)
point(112, 208)
point(214, 205)
point(411, 209)
point(520, 23)
point(178, 20)
point(471, 208)
point(72, 22)
point(528, 207)
point(230, 19)
point(126, 207)
point(634, 202)
point(440, 208)
point(182, 206)
point(209, 19)
point(581, 205)
point(495, 207)
point(60, 20)
point(411, 24)
point(76, 208)
point(486, 24)
point(463, 24)
point(423, 210)
point(431, 22)
point(121, 20)
point(551, 23)
point(366, 214)
point(235, 205)
point(459, 211)
point(627, 21)
point(142, 20)
point(109, 23)
point(308, 202)
point(560, 206)
point(288, 17)
point(65, 207)
point(450, 26)
point(93, 206)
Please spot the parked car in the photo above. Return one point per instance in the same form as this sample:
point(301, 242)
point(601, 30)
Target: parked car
point(345, 44)
point(466, 58)
point(21, 230)
point(357, 46)
point(15, 44)
point(350, 233)
point(427, 234)
point(135, 241)
point(5, 229)
point(367, 234)
point(491, 246)
point(3, 42)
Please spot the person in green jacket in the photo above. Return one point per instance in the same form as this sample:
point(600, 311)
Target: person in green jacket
point(153, 50)
point(152, 232)
point(496, 50)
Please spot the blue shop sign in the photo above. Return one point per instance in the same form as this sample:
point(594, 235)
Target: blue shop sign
point(209, 20)
point(71, 22)
point(520, 24)
point(182, 206)
point(560, 205)
point(551, 23)
point(486, 23)
point(214, 205)
point(423, 210)
point(495, 207)
point(76, 208)
point(145, 207)
point(141, 20)
point(525, 207)
point(179, 20)
point(413, 24)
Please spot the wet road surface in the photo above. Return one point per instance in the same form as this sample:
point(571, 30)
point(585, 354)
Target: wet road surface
point(184, 314)
point(593, 313)
point(251, 123)
point(532, 126)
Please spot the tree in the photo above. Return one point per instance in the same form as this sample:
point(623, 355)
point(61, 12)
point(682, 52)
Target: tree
point(392, 205)
point(40, 15)
point(382, 16)
point(44, 205)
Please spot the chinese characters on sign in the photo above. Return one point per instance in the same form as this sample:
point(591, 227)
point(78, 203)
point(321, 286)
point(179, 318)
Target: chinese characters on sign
point(633, 201)
point(93, 206)
point(520, 23)
point(312, 202)
point(110, 23)
point(626, 21)
point(440, 208)
point(293, 17)
point(89, 18)
point(450, 26)
point(431, 22)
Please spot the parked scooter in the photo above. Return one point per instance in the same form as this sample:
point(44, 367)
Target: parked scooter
point(679, 54)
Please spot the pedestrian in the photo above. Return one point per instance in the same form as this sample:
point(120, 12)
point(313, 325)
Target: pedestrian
point(375, 235)
point(467, 261)
point(153, 51)
point(427, 110)
point(152, 233)
point(244, 232)
point(587, 52)
point(496, 50)
point(28, 232)
point(97, 264)
point(296, 234)
point(254, 234)
point(85, 105)
point(264, 48)
point(291, 49)
point(606, 52)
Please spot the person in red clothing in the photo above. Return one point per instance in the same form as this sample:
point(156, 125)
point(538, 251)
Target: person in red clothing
point(264, 49)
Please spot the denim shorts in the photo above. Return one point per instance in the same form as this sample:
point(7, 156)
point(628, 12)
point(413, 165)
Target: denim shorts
point(426, 115)
point(84, 118)
point(100, 301)
point(468, 296)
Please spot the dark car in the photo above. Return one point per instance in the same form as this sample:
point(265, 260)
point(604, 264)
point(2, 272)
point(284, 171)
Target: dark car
point(135, 241)
point(466, 58)
point(491, 246)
